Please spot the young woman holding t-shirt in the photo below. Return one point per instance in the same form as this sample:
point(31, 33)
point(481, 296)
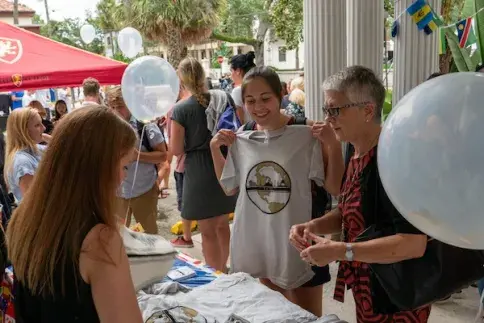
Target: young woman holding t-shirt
point(262, 95)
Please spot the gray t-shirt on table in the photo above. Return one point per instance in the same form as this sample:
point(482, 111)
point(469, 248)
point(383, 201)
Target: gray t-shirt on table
point(146, 174)
point(274, 180)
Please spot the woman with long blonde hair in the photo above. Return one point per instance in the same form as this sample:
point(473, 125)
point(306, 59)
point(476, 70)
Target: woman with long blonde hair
point(203, 199)
point(23, 152)
point(64, 243)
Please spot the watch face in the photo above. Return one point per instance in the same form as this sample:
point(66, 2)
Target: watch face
point(349, 253)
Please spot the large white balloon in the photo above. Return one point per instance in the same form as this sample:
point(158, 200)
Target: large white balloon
point(130, 42)
point(150, 87)
point(431, 156)
point(88, 33)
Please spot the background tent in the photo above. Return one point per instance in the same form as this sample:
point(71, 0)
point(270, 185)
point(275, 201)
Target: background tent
point(31, 61)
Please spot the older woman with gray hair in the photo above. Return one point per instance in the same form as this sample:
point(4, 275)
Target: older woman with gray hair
point(353, 107)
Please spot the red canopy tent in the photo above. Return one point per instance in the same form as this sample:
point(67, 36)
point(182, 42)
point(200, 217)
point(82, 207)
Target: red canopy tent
point(31, 61)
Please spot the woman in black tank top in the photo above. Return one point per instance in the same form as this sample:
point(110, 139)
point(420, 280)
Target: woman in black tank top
point(68, 256)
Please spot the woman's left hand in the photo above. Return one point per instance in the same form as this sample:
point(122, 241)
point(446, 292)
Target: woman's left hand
point(325, 251)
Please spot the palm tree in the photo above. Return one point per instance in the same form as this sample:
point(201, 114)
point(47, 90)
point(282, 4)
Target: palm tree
point(15, 12)
point(107, 20)
point(175, 23)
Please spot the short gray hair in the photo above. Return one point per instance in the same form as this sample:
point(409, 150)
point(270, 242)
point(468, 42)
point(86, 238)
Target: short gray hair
point(358, 84)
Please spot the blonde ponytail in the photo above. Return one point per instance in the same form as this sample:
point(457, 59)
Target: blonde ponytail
point(192, 77)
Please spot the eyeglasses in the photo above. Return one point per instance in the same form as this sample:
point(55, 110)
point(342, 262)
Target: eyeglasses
point(333, 112)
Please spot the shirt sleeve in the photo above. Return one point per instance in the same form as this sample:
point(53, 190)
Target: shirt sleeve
point(155, 137)
point(230, 177)
point(22, 165)
point(400, 224)
point(316, 171)
point(179, 115)
point(237, 96)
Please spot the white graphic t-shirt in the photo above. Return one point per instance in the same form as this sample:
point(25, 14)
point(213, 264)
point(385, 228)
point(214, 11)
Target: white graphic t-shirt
point(273, 171)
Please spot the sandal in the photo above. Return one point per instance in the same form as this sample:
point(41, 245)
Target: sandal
point(164, 193)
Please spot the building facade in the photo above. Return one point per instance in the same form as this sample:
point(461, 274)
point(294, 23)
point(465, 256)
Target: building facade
point(25, 16)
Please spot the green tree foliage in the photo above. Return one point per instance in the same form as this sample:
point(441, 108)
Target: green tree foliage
point(390, 7)
point(246, 22)
point(224, 51)
point(68, 32)
point(174, 23)
point(287, 19)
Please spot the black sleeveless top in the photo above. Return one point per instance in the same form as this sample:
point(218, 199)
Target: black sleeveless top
point(76, 306)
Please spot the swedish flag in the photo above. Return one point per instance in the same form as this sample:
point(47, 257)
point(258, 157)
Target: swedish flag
point(423, 15)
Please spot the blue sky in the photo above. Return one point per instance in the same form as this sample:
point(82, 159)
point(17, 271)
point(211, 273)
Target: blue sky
point(61, 9)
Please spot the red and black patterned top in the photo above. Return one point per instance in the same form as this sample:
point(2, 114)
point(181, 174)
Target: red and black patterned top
point(357, 275)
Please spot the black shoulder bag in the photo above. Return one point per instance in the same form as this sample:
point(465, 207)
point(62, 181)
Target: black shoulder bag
point(414, 283)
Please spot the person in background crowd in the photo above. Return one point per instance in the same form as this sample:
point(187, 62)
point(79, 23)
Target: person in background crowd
point(284, 89)
point(140, 199)
point(262, 96)
point(296, 105)
point(285, 94)
point(43, 96)
point(27, 98)
point(65, 95)
point(297, 83)
point(203, 198)
point(60, 110)
point(5, 200)
point(185, 240)
point(52, 95)
point(164, 169)
point(17, 98)
point(23, 150)
point(48, 125)
point(209, 83)
point(69, 258)
point(91, 89)
point(354, 100)
point(5, 103)
point(239, 66)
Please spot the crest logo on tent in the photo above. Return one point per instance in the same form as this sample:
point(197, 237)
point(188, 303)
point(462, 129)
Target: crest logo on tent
point(17, 79)
point(10, 50)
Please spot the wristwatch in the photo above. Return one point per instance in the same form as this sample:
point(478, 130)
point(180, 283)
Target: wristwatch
point(349, 252)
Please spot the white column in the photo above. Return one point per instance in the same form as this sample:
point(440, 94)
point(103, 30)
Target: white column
point(324, 48)
point(416, 54)
point(364, 33)
point(235, 50)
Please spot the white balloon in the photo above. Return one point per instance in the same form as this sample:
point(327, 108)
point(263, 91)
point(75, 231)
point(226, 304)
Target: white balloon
point(130, 42)
point(88, 33)
point(150, 87)
point(430, 158)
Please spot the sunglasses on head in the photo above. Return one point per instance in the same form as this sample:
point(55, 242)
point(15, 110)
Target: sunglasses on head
point(333, 112)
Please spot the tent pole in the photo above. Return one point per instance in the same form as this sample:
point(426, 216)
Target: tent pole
point(73, 98)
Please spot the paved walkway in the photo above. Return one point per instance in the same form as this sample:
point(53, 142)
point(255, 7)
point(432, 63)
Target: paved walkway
point(461, 308)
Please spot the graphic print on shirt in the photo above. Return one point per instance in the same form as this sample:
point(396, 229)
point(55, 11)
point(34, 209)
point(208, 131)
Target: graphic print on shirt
point(268, 187)
point(176, 314)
